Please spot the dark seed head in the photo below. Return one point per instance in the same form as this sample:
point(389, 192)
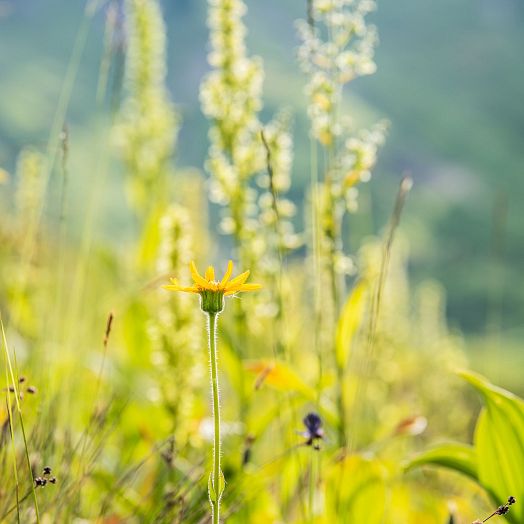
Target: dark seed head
point(47, 470)
point(502, 510)
point(511, 500)
point(31, 389)
point(52, 480)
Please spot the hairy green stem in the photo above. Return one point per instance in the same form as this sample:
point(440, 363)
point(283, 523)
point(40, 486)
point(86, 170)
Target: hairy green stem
point(215, 504)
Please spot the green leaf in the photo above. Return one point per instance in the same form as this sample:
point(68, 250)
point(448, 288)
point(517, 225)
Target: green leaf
point(499, 442)
point(455, 456)
point(222, 485)
point(211, 487)
point(349, 321)
point(497, 460)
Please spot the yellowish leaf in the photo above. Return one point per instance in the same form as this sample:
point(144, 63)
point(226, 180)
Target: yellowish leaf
point(350, 321)
point(279, 376)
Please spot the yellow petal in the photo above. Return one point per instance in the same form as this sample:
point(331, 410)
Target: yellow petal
point(185, 289)
point(174, 286)
point(250, 287)
point(238, 281)
point(237, 288)
point(210, 274)
point(229, 270)
point(192, 289)
point(170, 287)
point(196, 276)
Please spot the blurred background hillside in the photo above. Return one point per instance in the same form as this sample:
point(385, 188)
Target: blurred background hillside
point(450, 80)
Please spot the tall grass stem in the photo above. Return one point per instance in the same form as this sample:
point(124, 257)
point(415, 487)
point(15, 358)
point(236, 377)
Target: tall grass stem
point(16, 391)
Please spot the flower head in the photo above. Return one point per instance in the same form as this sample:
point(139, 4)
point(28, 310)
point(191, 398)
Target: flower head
point(314, 432)
point(211, 291)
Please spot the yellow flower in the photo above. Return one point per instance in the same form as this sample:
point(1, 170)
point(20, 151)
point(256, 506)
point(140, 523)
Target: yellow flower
point(212, 291)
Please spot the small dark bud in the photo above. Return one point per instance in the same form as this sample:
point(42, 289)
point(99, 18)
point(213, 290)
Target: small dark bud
point(11, 389)
point(39, 481)
point(502, 510)
point(31, 389)
point(511, 500)
point(21, 379)
point(314, 432)
point(52, 480)
point(47, 470)
point(313, 423)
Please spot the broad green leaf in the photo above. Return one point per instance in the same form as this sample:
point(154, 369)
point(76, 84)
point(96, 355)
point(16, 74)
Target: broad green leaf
point(349, 321)
point(497, 460)
point(499, 442)
point(455, 456)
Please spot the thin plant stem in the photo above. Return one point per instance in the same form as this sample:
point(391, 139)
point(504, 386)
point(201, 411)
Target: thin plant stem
point(22, 427)
point(279, 349)
point(215, 504)
point(312, 489)
point(15, 506)
point(12, 433)
point(376, 300)
point(280, 346)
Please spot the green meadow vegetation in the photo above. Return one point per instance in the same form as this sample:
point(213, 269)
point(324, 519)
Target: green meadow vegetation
point(305, 376)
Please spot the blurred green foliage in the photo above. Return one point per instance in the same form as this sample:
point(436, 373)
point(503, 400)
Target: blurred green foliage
point(448, 78)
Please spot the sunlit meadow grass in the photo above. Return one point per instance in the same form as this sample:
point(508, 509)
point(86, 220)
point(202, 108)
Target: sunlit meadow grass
point(338, 377)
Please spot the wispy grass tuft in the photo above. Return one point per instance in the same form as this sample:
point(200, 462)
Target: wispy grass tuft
point(16, 391)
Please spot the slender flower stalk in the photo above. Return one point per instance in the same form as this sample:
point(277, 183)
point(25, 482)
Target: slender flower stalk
point(217, 472)
point(337, 47)
point(212, 293)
